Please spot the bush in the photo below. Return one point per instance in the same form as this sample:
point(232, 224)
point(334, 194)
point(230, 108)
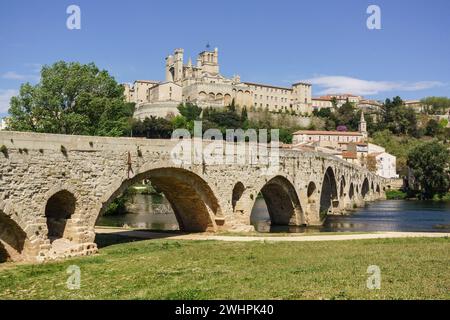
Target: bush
point(395, 195)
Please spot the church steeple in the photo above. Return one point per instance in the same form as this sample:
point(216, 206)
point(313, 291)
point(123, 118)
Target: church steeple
point(363, 125)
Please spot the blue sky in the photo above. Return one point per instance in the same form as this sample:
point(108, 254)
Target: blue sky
point(279, 42)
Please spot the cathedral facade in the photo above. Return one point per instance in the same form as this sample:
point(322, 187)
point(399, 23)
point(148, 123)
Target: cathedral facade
point(202, 84)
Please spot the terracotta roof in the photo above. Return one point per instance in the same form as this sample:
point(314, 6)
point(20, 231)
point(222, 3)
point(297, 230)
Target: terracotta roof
point(349, 155)
point(331, 133)
point(322, 99)
point(374, 154)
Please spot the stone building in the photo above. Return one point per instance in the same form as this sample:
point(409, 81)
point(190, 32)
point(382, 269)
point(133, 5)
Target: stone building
point(351, 146)
point(203, 84)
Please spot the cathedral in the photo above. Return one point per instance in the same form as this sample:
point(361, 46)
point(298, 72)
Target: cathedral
point(202, 84)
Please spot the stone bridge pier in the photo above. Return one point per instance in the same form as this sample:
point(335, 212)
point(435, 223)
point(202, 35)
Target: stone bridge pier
point(53, 188)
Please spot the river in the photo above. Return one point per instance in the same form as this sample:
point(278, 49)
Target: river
point(154, 212)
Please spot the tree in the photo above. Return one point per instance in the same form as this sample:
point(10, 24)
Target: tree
point(398, 118)
point(436, 105)
point(433, 128)
point(371, 163)
point(153, 128)
point(72, 98)
point(190, 111)
point(323, 113)
point(430, 164)
point(347, 115)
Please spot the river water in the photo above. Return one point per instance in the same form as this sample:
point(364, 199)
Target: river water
point(154, 212)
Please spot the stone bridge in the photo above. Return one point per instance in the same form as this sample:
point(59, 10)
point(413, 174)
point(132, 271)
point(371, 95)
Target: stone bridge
point(54, 187)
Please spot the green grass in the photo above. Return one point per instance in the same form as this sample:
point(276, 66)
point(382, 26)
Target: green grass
point(395, 195)
point(309, 232)
point(167, 269)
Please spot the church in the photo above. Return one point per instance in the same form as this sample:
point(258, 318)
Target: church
point(203, 84)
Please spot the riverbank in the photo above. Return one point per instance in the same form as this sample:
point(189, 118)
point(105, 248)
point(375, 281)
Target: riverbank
point(276, 237)
point(413, 268)
point(401, 195)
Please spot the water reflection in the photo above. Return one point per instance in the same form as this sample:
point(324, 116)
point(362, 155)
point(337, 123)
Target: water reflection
point(145, 212)
point(154, 212)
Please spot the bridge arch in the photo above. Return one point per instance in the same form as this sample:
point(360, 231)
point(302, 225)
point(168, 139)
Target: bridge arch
point(238, 190)
point(13, 239)
point(58, 211)
point(282, 201)
point(329, 193)
point(365, 188)
point(351, 192)
point(190, 196)
point(342, 187)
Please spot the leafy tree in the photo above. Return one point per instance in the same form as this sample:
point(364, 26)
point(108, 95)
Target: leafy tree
point(433, 128)
point(190, 111)
point(286, 135)
point(398, 118)
point(436, 105)
point(323, 113)
point(346, 116)
point(72, 98)
point(244, 115)
point(153, 128)
point(430, 163)
point(334, 102)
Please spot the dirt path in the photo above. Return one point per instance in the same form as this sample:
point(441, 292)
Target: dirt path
point(323, 237)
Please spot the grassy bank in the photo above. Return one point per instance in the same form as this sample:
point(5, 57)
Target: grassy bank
point(167, 269)
point(400, 195)
point(395, 195)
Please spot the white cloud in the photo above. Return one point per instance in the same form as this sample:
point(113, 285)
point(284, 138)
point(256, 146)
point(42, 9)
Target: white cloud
point(343, 84)
point(5, 97)
point(12, 75)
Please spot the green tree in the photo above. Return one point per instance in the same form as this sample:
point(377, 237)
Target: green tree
point(72, 98)
point(398, 118)
point(190, 111)
point(346, 115)
point(430, 164)
point(436, 105)
point(433, 128)
point(153, 128)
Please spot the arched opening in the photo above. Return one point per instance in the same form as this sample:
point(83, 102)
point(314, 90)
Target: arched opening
point(365, 188)
point(58, 211)
point(212, 96)
point(12, 239)
point(351, 192)
point(281, 201)
point(328, 195)
point(172, 73)
point(227, 100)
point(4, 256)
point(238, 190)
point(311, 190)
point(378, 188)
point(342, 188)
point(202, 95)
point(372, 187)
point(190, 198)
